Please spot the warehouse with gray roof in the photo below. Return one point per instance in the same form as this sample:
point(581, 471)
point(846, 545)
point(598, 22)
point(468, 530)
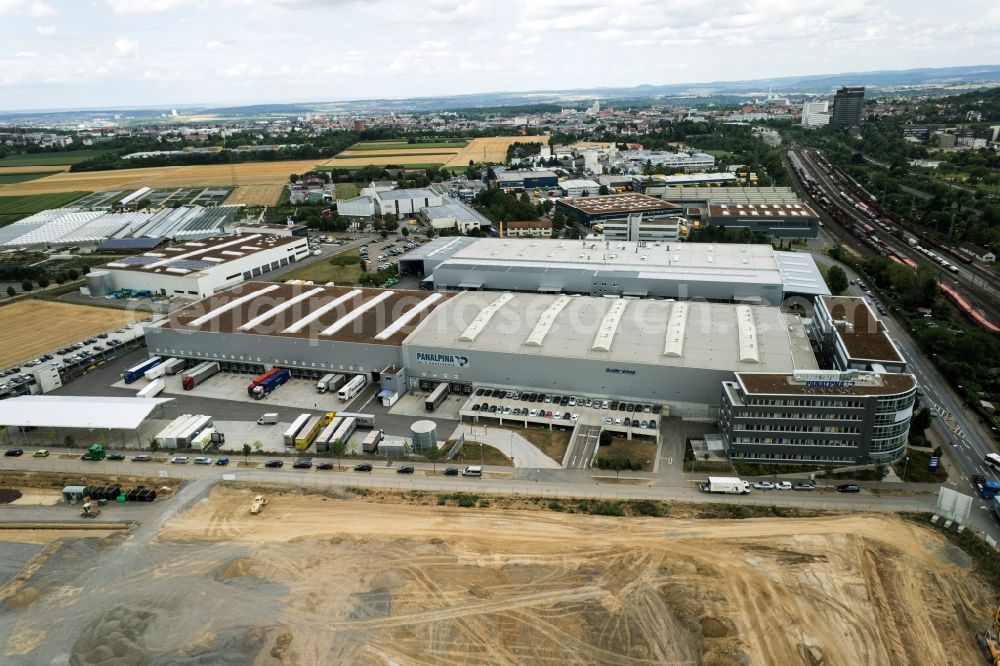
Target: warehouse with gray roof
point(715, 272)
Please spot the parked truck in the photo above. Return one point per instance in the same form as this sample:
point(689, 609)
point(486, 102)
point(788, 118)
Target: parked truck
point(995, 506)
point(305, 437)
point(353, 387)
point(173, 366)
point(294, 429)
point(156, 372)
point(151, 389)
point(268, 419)
point(725, 484)
point(139, 370)
point(371, 441)
point(267, 385)
point(198, 374)
point(256, 381)
point(330, 382)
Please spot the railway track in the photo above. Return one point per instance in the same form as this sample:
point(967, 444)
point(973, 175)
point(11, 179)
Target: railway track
point(972, 284)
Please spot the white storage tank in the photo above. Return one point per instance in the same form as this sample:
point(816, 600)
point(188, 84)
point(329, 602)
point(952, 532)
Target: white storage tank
point(424, 435)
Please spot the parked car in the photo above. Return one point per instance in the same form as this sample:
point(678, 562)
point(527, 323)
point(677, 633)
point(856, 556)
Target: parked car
point(41, 453)
point(13, 453)
point(222, 462)
point(848, 488)
point(305, 463)
point(142, 457)
point(783, 485)
point(116, 456)
point(405, 469)
point(363, 467)
point(451, 471)
point(325, 466)
point(803, 485)
point(274, 464)
point(763, 485)
point(179, 460)
point(202, 460)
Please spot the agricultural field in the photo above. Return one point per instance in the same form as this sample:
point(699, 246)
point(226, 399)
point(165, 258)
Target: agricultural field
point(489, 149)
point(223, 175)
point(32, 203)
point(33, 327)
point(60, 158)
point(50, 168)
point(256, 195)
point(396, 145)
point(22, 176)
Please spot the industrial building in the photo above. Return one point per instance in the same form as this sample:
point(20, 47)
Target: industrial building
point(692, 180)
point(383, 201)
point(638, 227)
point(815, 114)
point(670, 352)
point(857, 413)
point(702, 196)
point(588, 210)
point(717, 272)
point(679, 161)
point(825, 417)
point(778, 220)
point(197, 268)
point(71, 226)
point(580, 188)
point(526, 180)
point(453, 214)
point(848, 104)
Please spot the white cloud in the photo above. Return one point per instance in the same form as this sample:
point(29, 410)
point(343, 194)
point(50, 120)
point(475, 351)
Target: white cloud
point(45, 30)
point(214, 45)
point(125, 46)
point(34, 9)
point(143, 6)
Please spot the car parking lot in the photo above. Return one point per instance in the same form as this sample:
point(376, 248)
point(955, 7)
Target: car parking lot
point(384, 255)
point(563, 410)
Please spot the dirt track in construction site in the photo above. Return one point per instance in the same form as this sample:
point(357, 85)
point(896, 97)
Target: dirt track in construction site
point(318, 579)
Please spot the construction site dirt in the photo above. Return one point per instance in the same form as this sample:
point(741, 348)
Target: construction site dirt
point(325, 579)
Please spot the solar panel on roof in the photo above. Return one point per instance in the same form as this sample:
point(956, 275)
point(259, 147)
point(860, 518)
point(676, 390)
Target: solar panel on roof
point(191, 264)
point(138, 260)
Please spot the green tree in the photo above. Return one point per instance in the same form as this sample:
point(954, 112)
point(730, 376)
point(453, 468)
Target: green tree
point(836, 280)
point(881, 471)
point(72, 274)
point(920, 422)
point(405, 232)
point(558, 220)
point(11, 291)
point(258, 446)
point(43, 282)
point(246, 452)
point(26, 285)
point(603, 190)
point(338, 447)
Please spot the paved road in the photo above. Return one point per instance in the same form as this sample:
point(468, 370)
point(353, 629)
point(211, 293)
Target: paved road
point(498, 480)
point(509, 443)
point(582, 448)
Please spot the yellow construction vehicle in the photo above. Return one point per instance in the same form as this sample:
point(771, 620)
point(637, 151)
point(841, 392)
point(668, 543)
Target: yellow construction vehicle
point(89, 510)
point(990, 641)
point(259, 502)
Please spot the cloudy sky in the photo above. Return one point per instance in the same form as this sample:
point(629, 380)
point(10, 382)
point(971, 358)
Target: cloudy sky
point(86, 53)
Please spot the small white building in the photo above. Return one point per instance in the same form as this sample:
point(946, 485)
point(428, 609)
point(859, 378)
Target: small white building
point(816, 114)
point(580, 188)
point(198, 269)
point(406, 201)
point(528, 229)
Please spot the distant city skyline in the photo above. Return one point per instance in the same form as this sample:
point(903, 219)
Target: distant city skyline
point(117, 53)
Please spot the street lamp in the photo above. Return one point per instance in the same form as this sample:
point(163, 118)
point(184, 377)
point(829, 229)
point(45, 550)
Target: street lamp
point(906, 463)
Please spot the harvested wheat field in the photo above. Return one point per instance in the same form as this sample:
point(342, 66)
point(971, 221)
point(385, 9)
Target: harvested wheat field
point(255, 195)
point(250, 173)
point(34, 169)
point(33, 327)
point(331, 580)
point(489, 149)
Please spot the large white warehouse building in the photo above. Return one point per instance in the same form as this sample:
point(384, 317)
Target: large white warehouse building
point(197, 269)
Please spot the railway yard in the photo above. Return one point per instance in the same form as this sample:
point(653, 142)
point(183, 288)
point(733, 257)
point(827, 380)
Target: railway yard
point(973, 290)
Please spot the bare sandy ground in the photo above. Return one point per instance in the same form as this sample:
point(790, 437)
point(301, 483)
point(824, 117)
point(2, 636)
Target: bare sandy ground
point(414, 584)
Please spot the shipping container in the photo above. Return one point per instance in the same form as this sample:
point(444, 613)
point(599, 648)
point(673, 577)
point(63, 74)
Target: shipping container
point(322, 441)
point(174, 365)
point(139, 370)
point(436, 397)
point(155, 372)
point(305, 437)
point(294, 429)
point(345, 430)
point(371, 441)
point(198, 374)
point(152, 389)
point(353, 387)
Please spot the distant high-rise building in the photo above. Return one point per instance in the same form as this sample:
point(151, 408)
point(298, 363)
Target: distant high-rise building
point(359, 126)
point(815, 114)
point(847, 106)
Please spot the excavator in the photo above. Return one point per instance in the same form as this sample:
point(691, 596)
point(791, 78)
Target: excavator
point(259, 502)
point(990, 640)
